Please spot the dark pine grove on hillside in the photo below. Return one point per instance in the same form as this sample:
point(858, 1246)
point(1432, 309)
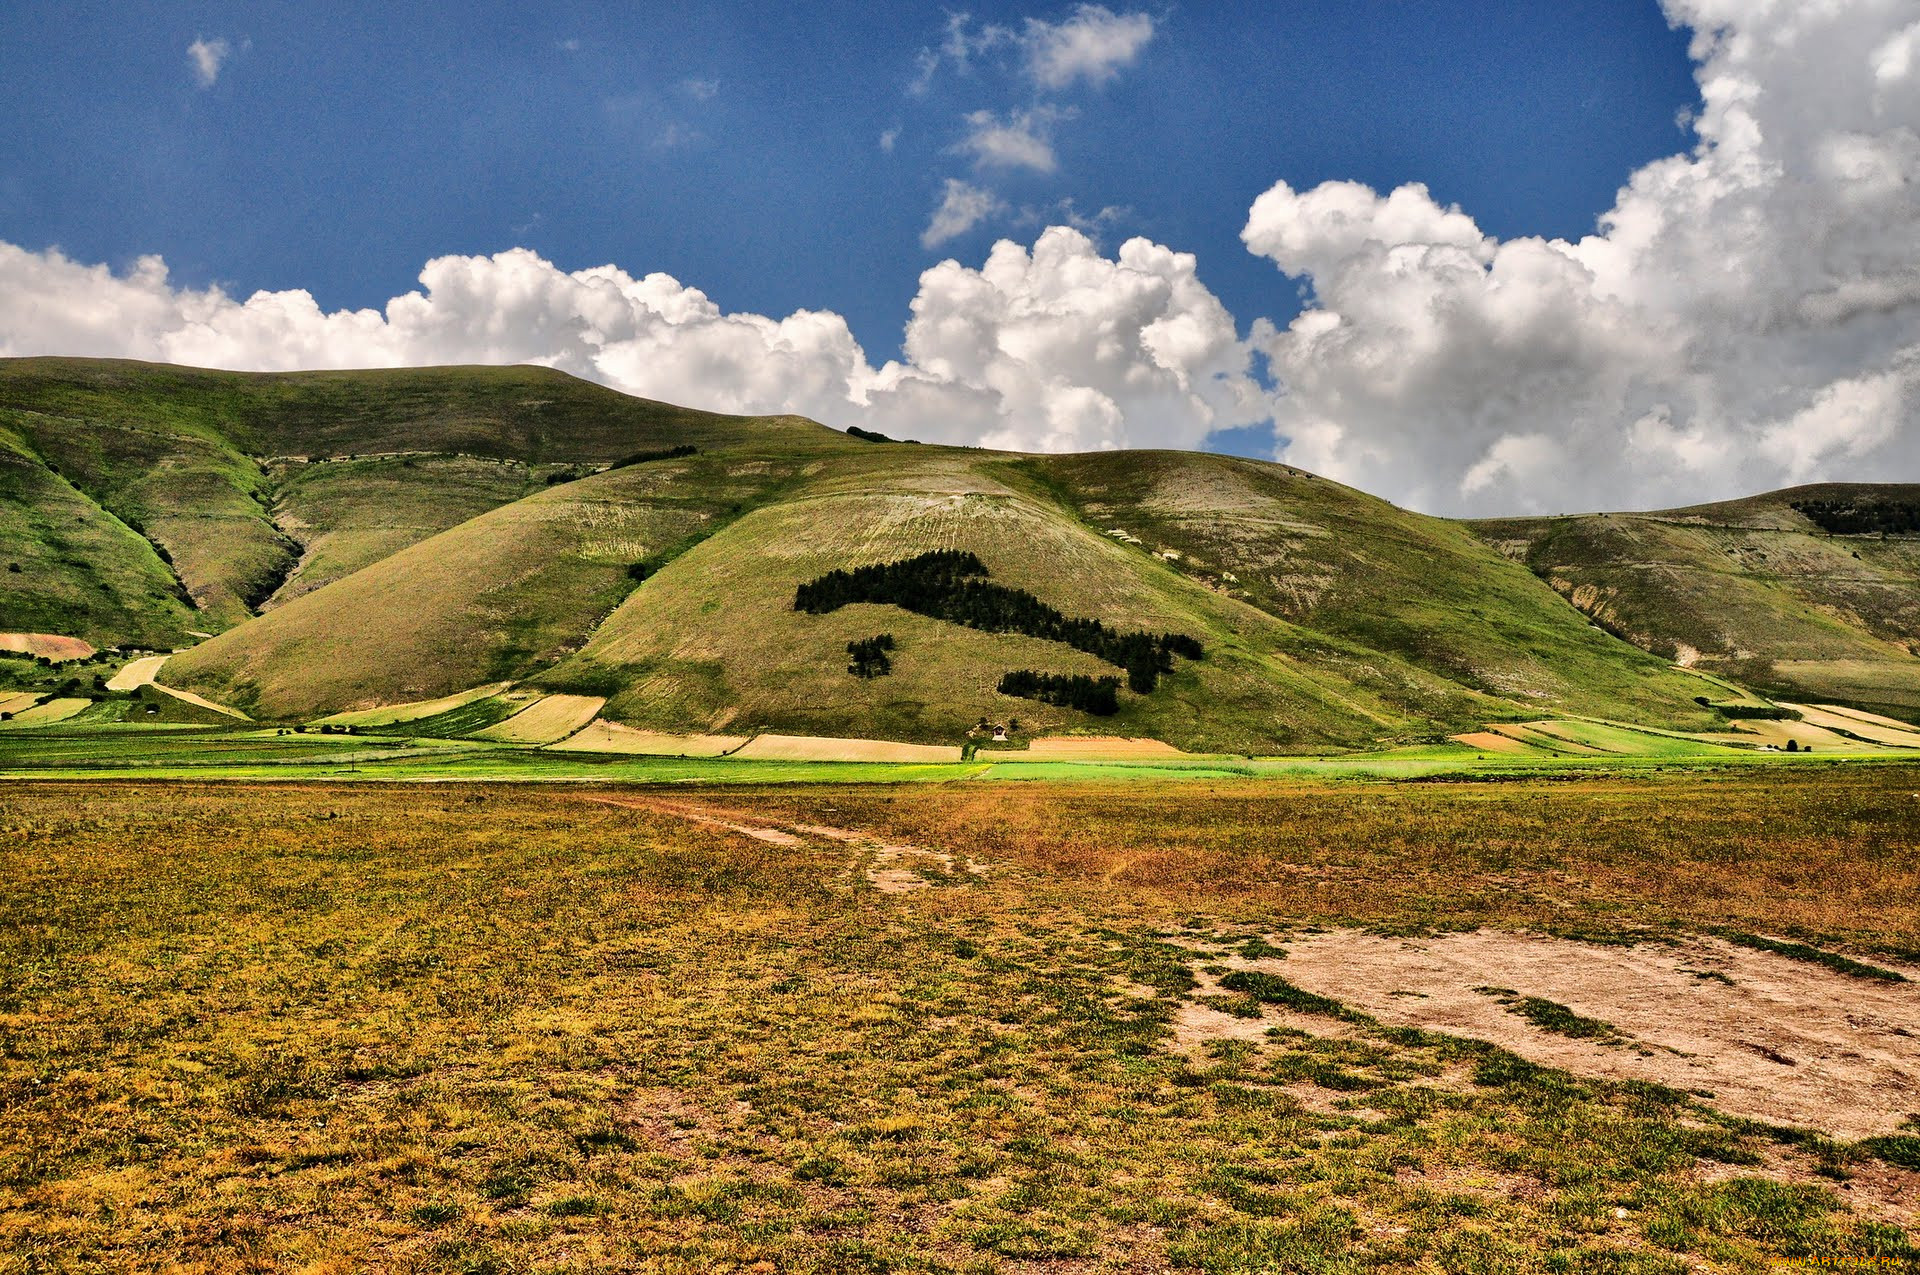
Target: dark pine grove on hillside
point(1862, 517)
point(944, 585)
point(1099, 696)
point(868, 658)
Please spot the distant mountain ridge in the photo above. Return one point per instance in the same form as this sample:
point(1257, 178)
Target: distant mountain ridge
point(363, 538)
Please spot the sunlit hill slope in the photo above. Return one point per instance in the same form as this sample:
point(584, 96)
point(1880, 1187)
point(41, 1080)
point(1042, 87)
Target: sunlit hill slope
point(356, 539)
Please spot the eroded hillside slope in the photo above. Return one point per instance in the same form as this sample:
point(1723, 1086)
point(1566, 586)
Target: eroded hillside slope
point(1755, 590)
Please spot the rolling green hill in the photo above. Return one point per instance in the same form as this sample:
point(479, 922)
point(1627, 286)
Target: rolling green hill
point(250, 488)
point(498, 597)
point(71, 567)
point(1754, 590)
point(1366, 574)
point(362, 539)
point(714, 643)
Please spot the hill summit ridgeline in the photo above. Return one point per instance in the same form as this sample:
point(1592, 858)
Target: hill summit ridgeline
point(321, 542)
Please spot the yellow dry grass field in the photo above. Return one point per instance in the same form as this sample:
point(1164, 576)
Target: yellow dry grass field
point(1859, 715)
point(136, 674)
point(48, 646)
point(393, 714)
point(1646, 1025)
point(547, 720)
point(17, 701)
point(49, 712)
point(600, 736)
point(1096, 748)
point(823, 748)
point(1802, 734)
point(200, 701)
point(1881, 730)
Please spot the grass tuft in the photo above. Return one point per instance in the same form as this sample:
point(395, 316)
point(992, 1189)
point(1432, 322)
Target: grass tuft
point(1552, 1016)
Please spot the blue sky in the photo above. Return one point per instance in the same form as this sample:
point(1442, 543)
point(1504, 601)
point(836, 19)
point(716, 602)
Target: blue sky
point(1492, 257)
point(737, 147)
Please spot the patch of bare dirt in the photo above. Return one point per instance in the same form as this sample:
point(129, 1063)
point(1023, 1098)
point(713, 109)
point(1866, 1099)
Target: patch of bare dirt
point(1756, 1034)
point(773, 836)
point(1197, 1024)
point(891, 868)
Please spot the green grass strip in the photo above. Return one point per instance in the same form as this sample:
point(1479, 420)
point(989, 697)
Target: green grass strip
point(1552, 1016)
point(1900, 1149)
point(1801, 952)
point(1270, 989)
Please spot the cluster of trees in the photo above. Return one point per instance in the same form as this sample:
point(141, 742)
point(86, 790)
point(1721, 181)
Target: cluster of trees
point(867, 658)
point(1862, 517)
point(875, 436)
point(1750, 712)
point(915, 584)
point(1099, 696)
point(944, 585)
point(641, 458)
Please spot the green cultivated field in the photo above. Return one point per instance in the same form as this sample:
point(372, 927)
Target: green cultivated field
point(96, 745)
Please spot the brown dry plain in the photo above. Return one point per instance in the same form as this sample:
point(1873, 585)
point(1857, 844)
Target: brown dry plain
point(965, 1027)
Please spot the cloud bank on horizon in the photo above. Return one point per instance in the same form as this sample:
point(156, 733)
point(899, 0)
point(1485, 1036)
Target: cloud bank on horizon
point(1747, 315)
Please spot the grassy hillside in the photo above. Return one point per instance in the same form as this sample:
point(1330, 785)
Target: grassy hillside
point(1750, 589)
point(349, 514)
point(522, 413)
point(1361, 571)
point(498, 597)
point(1266, 684)
point(358, 539)
point(71, 567)
point(252, 488)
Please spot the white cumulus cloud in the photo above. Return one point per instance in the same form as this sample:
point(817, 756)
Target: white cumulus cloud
point(1062, 349)
point(1747, 314)
point(206, 57)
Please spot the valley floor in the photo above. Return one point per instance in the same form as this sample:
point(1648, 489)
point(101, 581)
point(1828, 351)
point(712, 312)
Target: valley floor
point(1624, 1022)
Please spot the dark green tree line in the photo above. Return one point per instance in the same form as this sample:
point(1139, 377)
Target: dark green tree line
point(1865, 516)
point(945, 585)
point(1099, 696)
